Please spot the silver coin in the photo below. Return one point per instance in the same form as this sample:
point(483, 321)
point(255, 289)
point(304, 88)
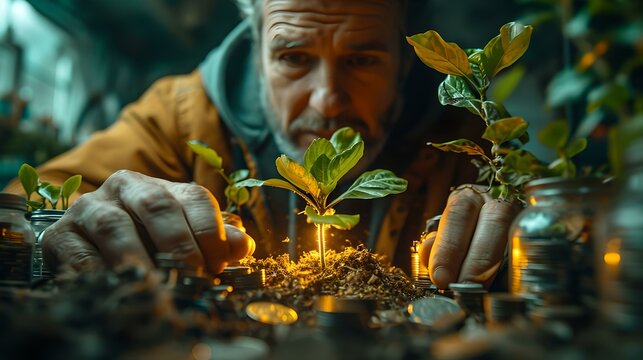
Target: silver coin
point(429, 310)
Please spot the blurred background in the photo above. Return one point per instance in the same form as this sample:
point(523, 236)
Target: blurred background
point(67, 67)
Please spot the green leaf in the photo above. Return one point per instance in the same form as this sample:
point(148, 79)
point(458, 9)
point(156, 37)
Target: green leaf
point(455, 91)
point(480, 75)
point(576, 147)
point(205, 152)
point(373, 184)
point(318, 147)
point(321, 171)
point(70, 186)
point(239, 175)
point(49, 192)
point(344, 139)
point(494, 111)
point(554, 135)
point(297, 175)
point(35, 205)
point(339, 221)
point(237, 194)
point(341, 164)
point(523, 162)
point(29, 179)
point(505, 130)
point(447, 58)
point(612, 96)
point(567, 86)
point(460, 146)
point(278, 183)
point(505, 85)
point(506, 48)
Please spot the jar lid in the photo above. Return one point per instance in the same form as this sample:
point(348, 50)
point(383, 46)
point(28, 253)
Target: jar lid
point(49, 215)
point(13, 201)
point(559, 185)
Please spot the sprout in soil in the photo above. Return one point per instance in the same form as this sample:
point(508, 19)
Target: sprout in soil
point(32, 183)
point(325, 163)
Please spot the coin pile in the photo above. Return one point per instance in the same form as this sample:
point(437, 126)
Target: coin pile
point(15, 257)
point(542, 271)
point(469, 296)
point(343, 313)
point(242, 278)
point(435, 312)
point(503, 307)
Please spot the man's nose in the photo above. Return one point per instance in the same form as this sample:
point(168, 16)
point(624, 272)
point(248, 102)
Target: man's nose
point(329, 96)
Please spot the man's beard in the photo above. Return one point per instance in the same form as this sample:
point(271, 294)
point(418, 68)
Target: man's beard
point(311, 120)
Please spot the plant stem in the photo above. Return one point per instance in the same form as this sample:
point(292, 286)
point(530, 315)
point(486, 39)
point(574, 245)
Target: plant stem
point(321, 239)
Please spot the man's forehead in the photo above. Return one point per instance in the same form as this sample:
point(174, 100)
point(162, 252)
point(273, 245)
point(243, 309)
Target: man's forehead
point(298, 8)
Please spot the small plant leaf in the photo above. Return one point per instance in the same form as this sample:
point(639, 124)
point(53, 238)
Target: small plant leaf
point(339, 221)
point(554, 135)
point(35, 205)
point(494, 111)
point(505, 130)
point(567, 86)
point(612, 96)
point(321, 171)
point(237, 194)
point(373, 184)
point(317, 148)
point(29, 179)
point(341, 164)
point(455, 91)
point(344, 139)
point(480, 75)
point(505, 49)
point(576, 147)
point(460, 146)
point(50, 192)
point(278, 183)
point(205, 152)
point(239, 175)
point(70, 186)
point(447, 58)
point(296, 174)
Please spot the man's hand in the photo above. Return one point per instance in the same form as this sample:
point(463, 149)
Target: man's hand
point(471, 238)
point(134, 216)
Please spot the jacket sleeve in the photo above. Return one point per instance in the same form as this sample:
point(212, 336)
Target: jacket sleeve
point(149, 137)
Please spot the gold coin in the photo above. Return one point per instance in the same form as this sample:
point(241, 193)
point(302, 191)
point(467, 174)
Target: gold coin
point(271, 313)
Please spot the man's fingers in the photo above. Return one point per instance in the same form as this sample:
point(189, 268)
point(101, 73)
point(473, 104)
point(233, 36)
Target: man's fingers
point(425, 248)
point(163, 219)
point(241, 244)
point(109, 228)
point(204, 218)
point(65, 247)
point(488, 245)
point(455, 231)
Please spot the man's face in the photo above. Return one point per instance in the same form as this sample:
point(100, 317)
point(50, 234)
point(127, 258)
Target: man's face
point(329, 64)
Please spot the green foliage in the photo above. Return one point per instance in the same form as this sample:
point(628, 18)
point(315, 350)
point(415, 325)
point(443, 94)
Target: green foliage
point(236, 195)
point(508, 167)
point(325, 163)
point(31, 183)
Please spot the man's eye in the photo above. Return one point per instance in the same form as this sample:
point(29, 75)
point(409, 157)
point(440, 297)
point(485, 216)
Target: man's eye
point(362, 61)
point(295, 59)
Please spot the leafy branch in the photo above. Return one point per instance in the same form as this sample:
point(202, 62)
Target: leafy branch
point(469, 76)
point(236, 195)
point(325, 163)
point(48, 192)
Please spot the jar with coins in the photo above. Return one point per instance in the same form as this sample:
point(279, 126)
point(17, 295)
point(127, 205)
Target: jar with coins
point(16, 242)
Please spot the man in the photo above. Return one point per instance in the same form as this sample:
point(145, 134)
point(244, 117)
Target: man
point(318, 65)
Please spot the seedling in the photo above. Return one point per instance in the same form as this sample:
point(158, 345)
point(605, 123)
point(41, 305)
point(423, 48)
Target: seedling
point(235, 195)
point(469, 75)
point(325, 163)
point(51, 193)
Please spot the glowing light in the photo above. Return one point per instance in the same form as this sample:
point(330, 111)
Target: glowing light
point(612, 258)
point(532, 201)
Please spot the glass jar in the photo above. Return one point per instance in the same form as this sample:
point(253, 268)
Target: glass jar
point(552, 241)
point(16, 242)
point(40, 220)
point(621, 259)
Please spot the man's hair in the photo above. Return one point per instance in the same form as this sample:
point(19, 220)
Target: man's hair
point(252, 9)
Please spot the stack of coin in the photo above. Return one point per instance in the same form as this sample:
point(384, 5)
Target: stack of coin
point(503, 307)
point(15, 257)
point(469, 296)
point(542, 273)
point(436, 312)
point(345, 314)
point(185, 280)
point(242, 278)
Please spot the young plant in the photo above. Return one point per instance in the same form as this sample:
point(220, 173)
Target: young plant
point(325, 163)
point(469, 76)
point(31, 183)
point(235, 195)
